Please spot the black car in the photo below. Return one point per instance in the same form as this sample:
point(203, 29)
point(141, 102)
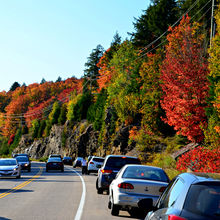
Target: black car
point(77, 162)
point(112, 164)
point(68, 161)
point(194, 196)
point(54, 163)
point(24, 162)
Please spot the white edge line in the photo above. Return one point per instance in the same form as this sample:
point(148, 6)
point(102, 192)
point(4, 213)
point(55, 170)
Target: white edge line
point(82, 201)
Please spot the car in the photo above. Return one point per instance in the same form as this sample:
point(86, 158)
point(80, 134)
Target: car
point(54, 163)
point(9, 167)
point(94, 164)
point(111, 166)
point(77, 162)
point(68, 160)
point(55, 155)
point(194, 196)
point(24, 162)
point(133, 183)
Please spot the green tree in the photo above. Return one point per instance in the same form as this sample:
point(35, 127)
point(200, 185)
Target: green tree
point(14, 86)
point(91, 71)
point(154, 22)
point(35, 128)
point(62, 117)
point(54, 114)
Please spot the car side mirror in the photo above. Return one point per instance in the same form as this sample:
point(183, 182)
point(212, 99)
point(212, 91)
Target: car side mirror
point(146, 204)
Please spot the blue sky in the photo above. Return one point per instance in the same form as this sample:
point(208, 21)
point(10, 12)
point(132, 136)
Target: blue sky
point(52, 38)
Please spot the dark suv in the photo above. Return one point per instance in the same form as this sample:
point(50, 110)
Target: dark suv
point(194, 196)
point(112, 164)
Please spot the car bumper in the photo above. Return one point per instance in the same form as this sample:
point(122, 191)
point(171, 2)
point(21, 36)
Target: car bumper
point(9, 174)
point(128, 200)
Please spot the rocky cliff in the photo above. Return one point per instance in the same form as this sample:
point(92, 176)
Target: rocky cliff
point(78, 140)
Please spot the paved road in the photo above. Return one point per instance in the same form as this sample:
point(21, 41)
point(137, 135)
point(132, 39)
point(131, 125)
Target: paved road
point(54, 195)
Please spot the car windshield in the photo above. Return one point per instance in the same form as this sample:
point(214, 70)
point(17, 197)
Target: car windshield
point(22, 159)
point(7, 162)
point(144, 172)
point(204, 199)
point(119, 162)
point(96, 159)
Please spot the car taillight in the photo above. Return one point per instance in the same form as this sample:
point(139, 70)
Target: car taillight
point(106, 171)
point(174, 217)
point(162, 189)
point(91, 162)
point(61, 164)
point(125, 186)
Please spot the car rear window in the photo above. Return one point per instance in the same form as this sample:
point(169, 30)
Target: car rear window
point(145, 173)
point(204, 199)
point(98, 159)
point(119, 162)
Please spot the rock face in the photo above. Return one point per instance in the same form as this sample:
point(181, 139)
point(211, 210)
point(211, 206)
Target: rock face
point(81, 140)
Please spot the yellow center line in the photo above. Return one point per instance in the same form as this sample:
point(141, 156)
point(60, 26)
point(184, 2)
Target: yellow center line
point(22, 184)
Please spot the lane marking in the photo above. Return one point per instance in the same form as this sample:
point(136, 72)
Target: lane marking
point(83, 197)
point(22, 184)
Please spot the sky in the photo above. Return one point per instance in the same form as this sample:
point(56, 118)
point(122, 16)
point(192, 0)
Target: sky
point(51, 38)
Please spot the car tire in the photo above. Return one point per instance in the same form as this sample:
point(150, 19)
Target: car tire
point(109, 204)
point(100, 191)
point(114, 208)
point(18, 177)
point(88, 172)
point(62, 170)
point(46, 170)
point(29, 169)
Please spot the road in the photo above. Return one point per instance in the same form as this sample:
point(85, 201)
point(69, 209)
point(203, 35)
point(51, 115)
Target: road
point(53, 195)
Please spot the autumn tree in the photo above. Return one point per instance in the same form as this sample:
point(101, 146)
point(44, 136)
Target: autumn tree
point(185, 85)
point(212, 133)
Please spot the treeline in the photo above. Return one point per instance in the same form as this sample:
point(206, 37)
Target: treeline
point(163, 82)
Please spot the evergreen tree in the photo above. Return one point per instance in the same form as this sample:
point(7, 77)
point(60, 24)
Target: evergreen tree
point(154, 22)
point(43, 81)
point(14, 86)
point(92, 70)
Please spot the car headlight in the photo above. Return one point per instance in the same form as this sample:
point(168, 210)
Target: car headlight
point(16, 168)
point(26, 165)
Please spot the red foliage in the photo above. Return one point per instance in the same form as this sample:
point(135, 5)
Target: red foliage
point(200, 160)
point(185, 84)
point(11, 139)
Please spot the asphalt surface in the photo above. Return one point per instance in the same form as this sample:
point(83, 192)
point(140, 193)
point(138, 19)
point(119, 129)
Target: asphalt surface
point(54, 195)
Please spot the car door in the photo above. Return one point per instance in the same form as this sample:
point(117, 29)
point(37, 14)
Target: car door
point(166, 203)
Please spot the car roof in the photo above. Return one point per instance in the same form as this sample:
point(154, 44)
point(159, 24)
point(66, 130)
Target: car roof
point(8, 159)
point(196, 177)
point(112, 155)
point(97, 157)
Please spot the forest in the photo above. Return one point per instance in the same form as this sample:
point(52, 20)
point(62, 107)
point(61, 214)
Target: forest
point(163, 83)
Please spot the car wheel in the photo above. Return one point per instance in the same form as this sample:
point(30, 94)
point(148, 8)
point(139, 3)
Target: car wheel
point(62, 170)
point(88, 172)
point(100, 191)
point(46, 170)
point(29, 169)
point(109, 204)
point(18, 177)
point(114, 208)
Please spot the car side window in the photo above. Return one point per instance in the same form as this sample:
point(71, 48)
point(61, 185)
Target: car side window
point(171, 194)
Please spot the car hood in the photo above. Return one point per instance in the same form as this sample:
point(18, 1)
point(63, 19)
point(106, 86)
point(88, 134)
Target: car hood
point(2, 168)
point(22, 163)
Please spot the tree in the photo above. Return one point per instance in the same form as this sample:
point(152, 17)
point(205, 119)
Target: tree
point(59, 79)
point(185, 84)
point(54, 114)
point(43, 81)
point(212, 132)
point(14, 86)
point(154, 22)
point(92, 70)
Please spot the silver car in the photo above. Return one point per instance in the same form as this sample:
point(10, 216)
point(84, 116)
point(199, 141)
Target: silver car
point(9, 167)
point(94, 164)
point(133, 183)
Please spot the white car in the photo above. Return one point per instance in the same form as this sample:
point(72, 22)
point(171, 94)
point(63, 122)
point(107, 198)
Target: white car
point(9, 167)
point(133, 183)
point(94, 164)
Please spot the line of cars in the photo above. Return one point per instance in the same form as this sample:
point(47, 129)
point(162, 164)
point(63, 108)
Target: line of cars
point(147, 190)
